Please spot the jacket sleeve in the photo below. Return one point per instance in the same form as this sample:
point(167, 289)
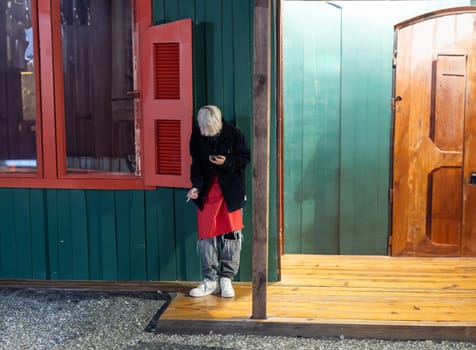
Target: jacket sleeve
point(240, 155)
point(196, 176)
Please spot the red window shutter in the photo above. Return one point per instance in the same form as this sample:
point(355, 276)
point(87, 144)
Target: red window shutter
point(167, 103)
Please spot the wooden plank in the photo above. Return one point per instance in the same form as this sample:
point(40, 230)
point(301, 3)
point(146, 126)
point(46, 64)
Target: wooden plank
point(78, 226)
point(53, 256)
point(65, 244)
point(8, 249)
point(199, 56)
point(186, 231)
point(261, 117)
point(94, 244)
point(151, 203)
point(137, 234)
point(312, 127)
point(107, 235)
point(292, 128)
point(169, 245)
point(227, 60)
point(102, 235)
point(312, 330)
point(186, 9)
point(171, 10)
point(364, 162)
point(158, 11)
point(131, 235)
point(106, 285)
point(38, 233)
point(124, 248)
point(214, 54)
point(22, 229)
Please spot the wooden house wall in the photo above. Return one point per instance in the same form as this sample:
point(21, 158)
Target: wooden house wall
point(141, 235)
point(337, 122)
point(151, 235)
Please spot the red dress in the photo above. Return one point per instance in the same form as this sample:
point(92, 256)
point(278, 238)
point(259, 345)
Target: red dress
point(215, 220)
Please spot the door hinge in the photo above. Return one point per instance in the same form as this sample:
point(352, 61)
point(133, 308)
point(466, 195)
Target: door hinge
point(394, 59)
point(389, 245)
point(390, 196)
point(394, 101)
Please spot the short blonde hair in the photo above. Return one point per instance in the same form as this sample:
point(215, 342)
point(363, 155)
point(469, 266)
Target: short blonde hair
point(209, 120)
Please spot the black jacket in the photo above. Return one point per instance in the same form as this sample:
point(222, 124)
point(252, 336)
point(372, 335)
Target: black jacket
point(231, 175)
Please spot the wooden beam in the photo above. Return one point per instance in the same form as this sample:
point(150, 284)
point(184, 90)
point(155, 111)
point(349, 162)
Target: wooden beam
point(261, 117)
point(280, 132)
point(288, 328)
point(137, 286)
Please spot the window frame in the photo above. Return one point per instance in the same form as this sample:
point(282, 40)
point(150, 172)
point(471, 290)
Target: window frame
point(50, 139)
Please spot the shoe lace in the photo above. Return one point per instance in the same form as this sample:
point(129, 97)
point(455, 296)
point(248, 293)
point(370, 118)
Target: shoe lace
point(226, 283)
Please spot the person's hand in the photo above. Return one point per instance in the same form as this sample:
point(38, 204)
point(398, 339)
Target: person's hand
point(217, 159)
point(192, 194)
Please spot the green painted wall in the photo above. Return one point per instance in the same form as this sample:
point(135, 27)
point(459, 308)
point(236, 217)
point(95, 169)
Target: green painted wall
point(311, 125)
point(337, 120)
point(141, 235)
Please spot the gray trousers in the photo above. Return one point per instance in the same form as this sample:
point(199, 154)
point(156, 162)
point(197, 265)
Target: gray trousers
point(220, 256)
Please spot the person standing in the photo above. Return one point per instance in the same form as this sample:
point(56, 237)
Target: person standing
point(219, 159)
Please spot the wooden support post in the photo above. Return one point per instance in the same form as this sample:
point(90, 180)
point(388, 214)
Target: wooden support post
point(261, 117)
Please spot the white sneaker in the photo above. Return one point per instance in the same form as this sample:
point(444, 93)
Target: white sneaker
point(207, 287)
point(227, 290)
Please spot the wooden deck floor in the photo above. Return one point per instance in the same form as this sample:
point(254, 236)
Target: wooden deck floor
point(353, 296)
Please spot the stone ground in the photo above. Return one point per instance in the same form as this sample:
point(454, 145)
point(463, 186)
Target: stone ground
point(66, 319)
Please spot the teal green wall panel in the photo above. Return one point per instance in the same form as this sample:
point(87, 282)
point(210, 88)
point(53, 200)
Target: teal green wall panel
point(167, 235)
point(188, 263)
point(131, 235)
point(312, 76)
point(293, 111)
point(39, 237)
point(7, 242)
point(23, 252)
point(21, 205)
point(78, 229)
point(151, 205)
point(107, 238)
point(52, 240)
point(273, 252)
point(365, 143)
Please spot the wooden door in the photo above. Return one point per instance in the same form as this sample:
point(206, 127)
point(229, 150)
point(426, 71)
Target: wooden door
point(434, 163)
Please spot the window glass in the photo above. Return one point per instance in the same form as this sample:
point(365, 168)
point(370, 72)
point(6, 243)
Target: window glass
point(17, 88)
point(98, 81)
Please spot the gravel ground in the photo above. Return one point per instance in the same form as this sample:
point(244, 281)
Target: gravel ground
point(61, 319)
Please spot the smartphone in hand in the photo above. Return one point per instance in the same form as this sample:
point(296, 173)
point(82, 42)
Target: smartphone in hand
point(214, 157)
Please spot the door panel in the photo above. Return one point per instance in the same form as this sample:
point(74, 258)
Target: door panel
point(434, 136)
